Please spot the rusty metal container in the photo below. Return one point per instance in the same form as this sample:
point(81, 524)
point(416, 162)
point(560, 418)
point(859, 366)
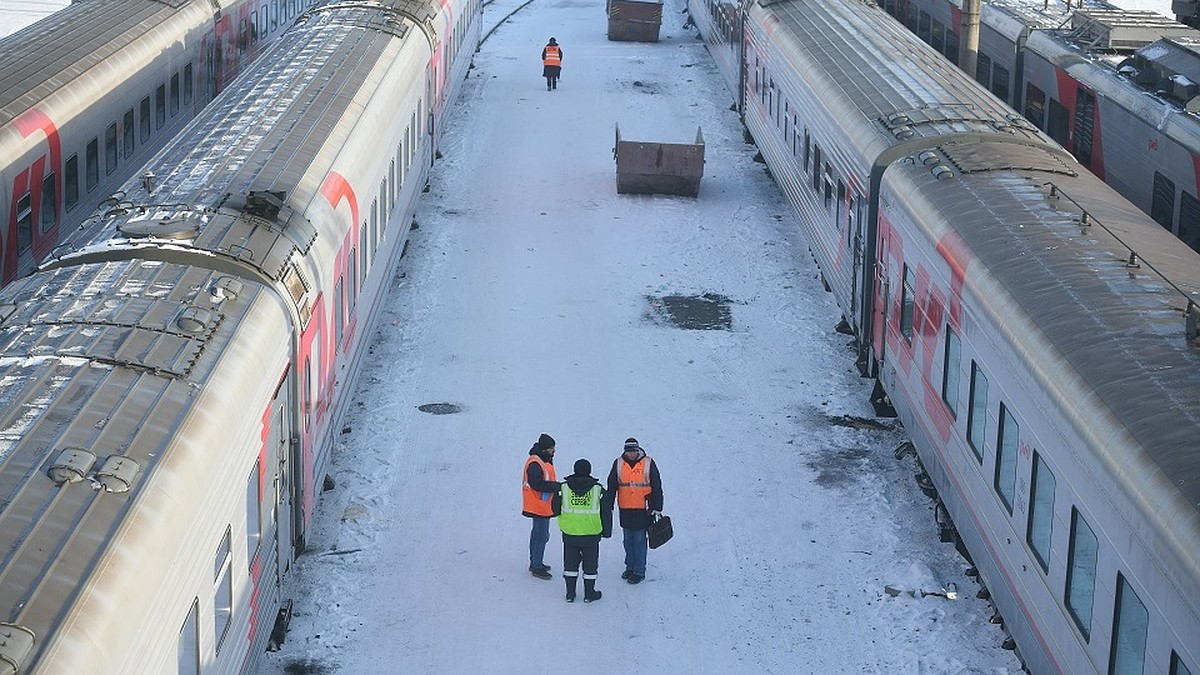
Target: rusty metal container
point(634, 20)
point(659, 168)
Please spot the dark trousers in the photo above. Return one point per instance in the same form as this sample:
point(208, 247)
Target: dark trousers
point(581, 549)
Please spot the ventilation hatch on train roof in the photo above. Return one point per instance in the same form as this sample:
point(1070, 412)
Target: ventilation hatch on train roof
point(1121, 30)
point(1170, 67)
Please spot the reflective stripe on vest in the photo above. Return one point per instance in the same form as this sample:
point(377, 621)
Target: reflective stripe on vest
point(580, 513)
point(633, 483)
point(553, 56)
point(532, 501)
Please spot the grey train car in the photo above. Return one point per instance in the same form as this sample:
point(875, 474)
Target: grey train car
point(173, 378)
point(1037, 334)
point(1118, 88)
point(91, 92)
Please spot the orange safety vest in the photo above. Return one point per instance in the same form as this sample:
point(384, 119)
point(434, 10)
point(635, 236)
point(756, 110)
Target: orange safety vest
point(553, 56)
point(633, 484)
point(532, 501)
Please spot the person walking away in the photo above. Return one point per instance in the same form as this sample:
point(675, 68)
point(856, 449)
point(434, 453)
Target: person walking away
point(635, 480)
point(585, 516)
point(552, 56)
point(537, 501)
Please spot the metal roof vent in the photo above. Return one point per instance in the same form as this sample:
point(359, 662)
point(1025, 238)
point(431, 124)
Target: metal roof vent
point(117, 474)
point(928, 157)
point(902, 133)
point(264, 204)
point(167, 228)
point(71, 466)
point(942, 172)
point(194, 319)
point(226, 288)
point(16, 643)
point(7, 310)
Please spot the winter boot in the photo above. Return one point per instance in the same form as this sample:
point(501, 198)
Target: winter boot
point(590, 594)
point(571, 588)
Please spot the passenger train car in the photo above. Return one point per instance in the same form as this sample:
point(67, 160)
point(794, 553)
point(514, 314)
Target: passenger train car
point(173, 378)
point(1037, 334)
point(91, 92)
point(1120, 89)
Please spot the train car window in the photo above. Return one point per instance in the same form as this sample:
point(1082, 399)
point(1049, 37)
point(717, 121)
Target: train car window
point(977, 419)
point(385, 213)
point(362, 249)
point(807, 151)
point(950, 360)
point(274, 15)
point(353, 276)
point(160, 106)
point(951, 50)
point(110, 148)
point(174, 94)
point(25, 222)
point(908, 304)
point(1177, 667)
point(144, 119)
point(1085, 119)
point(128, 130)
point(923, 27)
point(71, 182)
point(400, 164)
point(1189, 220)
point(339, 310)
point(92, 179)
point(828, 180)
point(255, 27)
point(795, 135)
point(840, 216)
point(49, 206)
point(374, 226)
point(308, 397)
point(1162, 201)
point(816, 174)
point(1081, 573)
point(913, 16)
point(189, 642)
point(889, 6)
point(392, 181)
point(1131, 621)
point(1041, 512)
point(223, 588)
point(1035, 106)
point(253, 512)
point(1000, 77)
point(187, 83)
point(937, 36)
point(1007, 445)
point(983, 69)
point(1058, 123)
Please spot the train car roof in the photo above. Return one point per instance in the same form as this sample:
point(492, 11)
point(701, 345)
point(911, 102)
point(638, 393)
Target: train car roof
point(43, 57)
point(1121, 328)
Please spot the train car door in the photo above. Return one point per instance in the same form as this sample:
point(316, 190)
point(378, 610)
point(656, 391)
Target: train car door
point(283, 445)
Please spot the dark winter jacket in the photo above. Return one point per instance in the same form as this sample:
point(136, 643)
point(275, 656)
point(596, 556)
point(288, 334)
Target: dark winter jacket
point(534, 475)
point(638, 519)
point(580, 485)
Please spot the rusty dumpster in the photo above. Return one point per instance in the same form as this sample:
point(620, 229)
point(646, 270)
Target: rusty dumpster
point(634, 20)
point(659, 168)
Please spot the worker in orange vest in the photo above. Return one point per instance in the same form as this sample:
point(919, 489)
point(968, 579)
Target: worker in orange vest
point(635, 480)
point(552, 56)
point(538, 487)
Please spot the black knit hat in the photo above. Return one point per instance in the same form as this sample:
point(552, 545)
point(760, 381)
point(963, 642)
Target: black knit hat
point(583, 467)
point(545, 442)
point(631, 443)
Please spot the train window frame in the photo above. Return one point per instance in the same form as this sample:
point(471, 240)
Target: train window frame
point(110, 149)
point(393, 192)
point(1189, 219)
point(374, 224)
point(1008, 446)
point(352, 275)
point(924, 26)
point(951, 357)
point(1035, 105)
point(362, 250)
point(1076, 595)
point(71, 182)
point(223, 589)
point(339, 312)
point(1000, 80)
point(25, 223)
point(385, 213)
point(807, 150)
point(983, 69)
point(1039, 533)
point(188, 650)
point(827, 182)
point(92, 164)
point(144, 121)
point(816, 172)
point(1127, 649)
point(48, 217)
point(937, 35)
point(1058, 122)
point(1083, 125)
point(173, 99)
point(908, 304)
point(253, 512)
point(977, 411)
point(840, 212)
point(128, 132)
point(951, 48)
point(1162, 201)
point(188, 80)
point(1178, 667)
point(160, 106)
point(307, 393)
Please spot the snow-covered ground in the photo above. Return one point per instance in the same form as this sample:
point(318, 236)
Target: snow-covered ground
point(536, 299)
point(16, 14)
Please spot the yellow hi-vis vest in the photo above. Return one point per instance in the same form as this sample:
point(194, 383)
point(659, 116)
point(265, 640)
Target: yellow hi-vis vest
point(580, 514)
